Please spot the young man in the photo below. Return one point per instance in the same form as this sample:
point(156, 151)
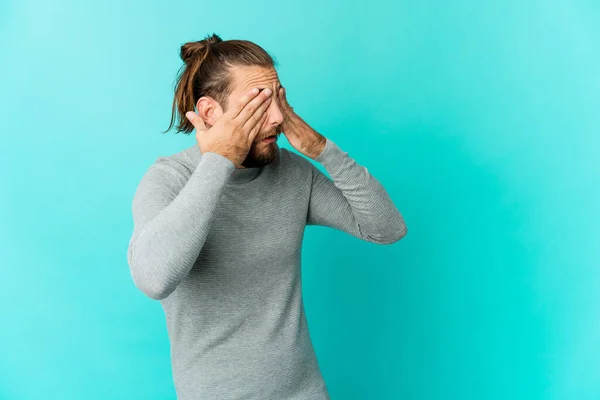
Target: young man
point(218, 228)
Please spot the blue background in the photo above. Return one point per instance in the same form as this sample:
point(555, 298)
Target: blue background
point(480, 118)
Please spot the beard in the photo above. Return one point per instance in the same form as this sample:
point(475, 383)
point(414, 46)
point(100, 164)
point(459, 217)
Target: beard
point(260, 153)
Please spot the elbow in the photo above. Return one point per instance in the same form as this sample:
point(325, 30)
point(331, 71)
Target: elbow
point(153, 291)
point(400, 234)
point(395, 237)
point(399, 231)
point(160, 295)
point(151, 286)
point(393, 230)
point(389, 237)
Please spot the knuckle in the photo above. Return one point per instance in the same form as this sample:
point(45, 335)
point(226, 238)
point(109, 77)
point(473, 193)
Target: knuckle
point(237, 126)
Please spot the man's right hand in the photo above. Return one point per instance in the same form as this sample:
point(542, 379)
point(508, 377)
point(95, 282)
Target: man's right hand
point(234, 132)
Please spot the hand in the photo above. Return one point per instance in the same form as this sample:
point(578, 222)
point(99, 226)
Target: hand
point(300, 135)
point(234, 132)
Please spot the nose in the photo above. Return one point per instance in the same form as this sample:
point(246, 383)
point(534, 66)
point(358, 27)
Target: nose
point(275, 116)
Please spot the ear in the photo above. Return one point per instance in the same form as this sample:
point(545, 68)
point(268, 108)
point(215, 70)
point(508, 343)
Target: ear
point(209, 110)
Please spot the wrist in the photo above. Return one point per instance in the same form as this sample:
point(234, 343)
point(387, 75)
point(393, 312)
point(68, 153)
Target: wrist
point(319, 147)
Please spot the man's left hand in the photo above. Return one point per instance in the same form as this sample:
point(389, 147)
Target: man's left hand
point(300, 135)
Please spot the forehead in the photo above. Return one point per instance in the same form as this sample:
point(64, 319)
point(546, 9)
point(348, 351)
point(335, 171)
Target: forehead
point(245, 78)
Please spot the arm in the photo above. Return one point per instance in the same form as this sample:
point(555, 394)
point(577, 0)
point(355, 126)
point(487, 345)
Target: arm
point(172, 218)
point(354, 202)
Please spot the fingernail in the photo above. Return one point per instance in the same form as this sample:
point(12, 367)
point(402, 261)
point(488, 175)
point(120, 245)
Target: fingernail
point(255, 90)
point(190, 115)
point(268, 92)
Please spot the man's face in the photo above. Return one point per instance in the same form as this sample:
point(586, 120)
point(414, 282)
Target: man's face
point(243, 79)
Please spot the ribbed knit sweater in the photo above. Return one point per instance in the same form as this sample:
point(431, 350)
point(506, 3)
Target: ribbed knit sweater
point(220, 248)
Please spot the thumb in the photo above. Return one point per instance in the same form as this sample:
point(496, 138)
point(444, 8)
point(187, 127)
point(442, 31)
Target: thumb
point(195, 120)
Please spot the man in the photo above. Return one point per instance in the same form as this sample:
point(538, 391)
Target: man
point(218, 228)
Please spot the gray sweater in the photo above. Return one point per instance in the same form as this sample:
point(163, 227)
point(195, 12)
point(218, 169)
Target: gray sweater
point(220, 248)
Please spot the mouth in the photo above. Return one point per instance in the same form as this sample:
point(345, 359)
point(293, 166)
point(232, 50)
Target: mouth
point(269, 139)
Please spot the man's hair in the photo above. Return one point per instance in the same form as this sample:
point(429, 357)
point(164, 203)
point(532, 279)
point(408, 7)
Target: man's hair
point(206, 72)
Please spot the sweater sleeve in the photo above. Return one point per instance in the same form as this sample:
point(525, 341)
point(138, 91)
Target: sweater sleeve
point(172, 216)
point(354, 202)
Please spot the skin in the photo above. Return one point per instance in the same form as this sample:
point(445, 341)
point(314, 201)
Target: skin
point(280, 116)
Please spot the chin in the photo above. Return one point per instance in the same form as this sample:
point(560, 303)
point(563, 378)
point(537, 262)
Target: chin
point(268, 154)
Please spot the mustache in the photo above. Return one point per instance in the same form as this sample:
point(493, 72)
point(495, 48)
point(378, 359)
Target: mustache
point(275, 131)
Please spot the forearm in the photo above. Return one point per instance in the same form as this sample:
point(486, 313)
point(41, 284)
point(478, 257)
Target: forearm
point(163, 250)
point(376, 217)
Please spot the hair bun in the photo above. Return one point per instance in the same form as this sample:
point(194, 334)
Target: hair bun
point(192, 50)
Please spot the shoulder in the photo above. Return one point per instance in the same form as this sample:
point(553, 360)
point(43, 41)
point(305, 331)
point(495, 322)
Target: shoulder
point(169, 170)
point(181, 163)
point(294, 160)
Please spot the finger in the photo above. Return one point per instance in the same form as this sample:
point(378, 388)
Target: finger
point(254, 131)
point(282, 96)
point(247, 113)
point(195, 120)
point(257, 115)
point(234, 111)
